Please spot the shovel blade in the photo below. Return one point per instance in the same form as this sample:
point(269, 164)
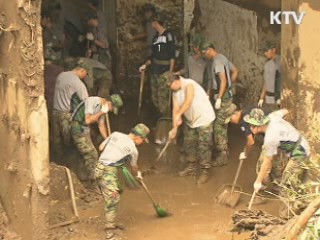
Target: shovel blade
point(227, 198)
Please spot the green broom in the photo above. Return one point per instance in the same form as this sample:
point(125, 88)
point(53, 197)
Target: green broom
point(159, 210)
point(130, 180)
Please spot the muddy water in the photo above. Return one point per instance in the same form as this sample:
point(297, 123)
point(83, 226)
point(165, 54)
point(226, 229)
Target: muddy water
point(195, 215)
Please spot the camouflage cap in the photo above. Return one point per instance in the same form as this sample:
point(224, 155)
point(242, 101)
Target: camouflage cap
point(196, 40)
point(141, 130)
point(205, 46)
point(116, 102)
point(267, 46)
point(256, 117)
point(81, 63)
point(230, 111)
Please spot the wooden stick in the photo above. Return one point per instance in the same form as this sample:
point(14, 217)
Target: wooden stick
point(108, 124)
point(251, 200)
point(141, 91)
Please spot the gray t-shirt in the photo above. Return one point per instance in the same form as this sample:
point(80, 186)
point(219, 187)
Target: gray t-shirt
point(68, 85)
point(221, 64)
point(271, 68)
point(196, 68)
point(119, 149)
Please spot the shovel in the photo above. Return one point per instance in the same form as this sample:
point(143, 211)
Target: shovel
point(228, 195)
point(160, 211)
point(140, 92)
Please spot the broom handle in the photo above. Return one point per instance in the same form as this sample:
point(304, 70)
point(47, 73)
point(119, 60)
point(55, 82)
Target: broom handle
point(148, 192)
point(237, 176)
point(251, 200)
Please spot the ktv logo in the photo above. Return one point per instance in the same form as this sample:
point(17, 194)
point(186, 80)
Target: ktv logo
point(297, 18)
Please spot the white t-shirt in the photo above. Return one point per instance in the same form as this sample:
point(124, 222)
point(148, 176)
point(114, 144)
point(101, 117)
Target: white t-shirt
point(281, 134)
point(201, 112)
point(120, 147)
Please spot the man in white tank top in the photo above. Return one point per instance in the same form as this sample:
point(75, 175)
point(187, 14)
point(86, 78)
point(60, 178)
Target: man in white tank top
point(190, 100)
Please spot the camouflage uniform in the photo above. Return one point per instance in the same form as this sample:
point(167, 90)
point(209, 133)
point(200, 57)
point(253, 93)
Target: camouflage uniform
point(160, 93)
point(107, 179)
point(60, 133)
point(82, 139)
point(220, 131)
point(198, 144)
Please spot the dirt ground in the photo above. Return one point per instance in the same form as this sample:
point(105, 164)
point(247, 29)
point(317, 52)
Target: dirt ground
point(195, 215)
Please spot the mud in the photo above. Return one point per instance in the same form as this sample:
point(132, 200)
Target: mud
point(195, 213)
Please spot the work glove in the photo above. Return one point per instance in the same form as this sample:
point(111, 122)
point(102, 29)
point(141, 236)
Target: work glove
point(142, 68)
point(278, 102)
point(258, 186)
point(80, 38)
point(172, 134)
point(105, 108)
point(260, 103)
point(218, 104)
point(139, 176)
point(242, 156)
point(90, 36)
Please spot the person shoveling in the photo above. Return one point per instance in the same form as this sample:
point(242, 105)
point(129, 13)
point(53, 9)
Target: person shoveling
point(190, 100)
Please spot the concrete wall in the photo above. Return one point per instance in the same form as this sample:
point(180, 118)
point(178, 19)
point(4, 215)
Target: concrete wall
point(238, 33)
point(301, 59)
point(24, 170)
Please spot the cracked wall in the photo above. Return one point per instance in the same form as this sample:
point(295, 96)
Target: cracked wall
point(24, 171)
point(301, 59)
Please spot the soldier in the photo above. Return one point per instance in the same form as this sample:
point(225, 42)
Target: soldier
point(149, 11)
point(69, 92)
point(53, 39)
point(97, 41)
point(237, 117)
point(117, 149)
point(271, 91)
point(99, 80)
point(191, 101)
point(279, 135)
point(161, 60)
point(196, 63)
point(91, 111)
point(224, 73)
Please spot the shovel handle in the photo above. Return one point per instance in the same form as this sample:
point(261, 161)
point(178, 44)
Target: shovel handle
point(141, 91)
point(163, 151)
point(237, 175)
point(108, 124)
point(251, 200)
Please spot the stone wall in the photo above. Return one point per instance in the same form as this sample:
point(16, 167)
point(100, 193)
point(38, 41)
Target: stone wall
point(133, 54)
point(301, 59)
point(238, 33)
point(24, 170)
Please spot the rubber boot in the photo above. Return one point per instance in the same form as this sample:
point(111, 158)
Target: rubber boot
point(221, 160)
point(189, 170)
point(204, 176)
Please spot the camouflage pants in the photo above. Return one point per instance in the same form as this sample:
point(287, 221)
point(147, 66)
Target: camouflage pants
point(160, 94)
point(107, 180)
point(293, 174)
point(278, 166)
point(198, 144)
point(220, 128)
point(60, 133)
point(87, 150)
